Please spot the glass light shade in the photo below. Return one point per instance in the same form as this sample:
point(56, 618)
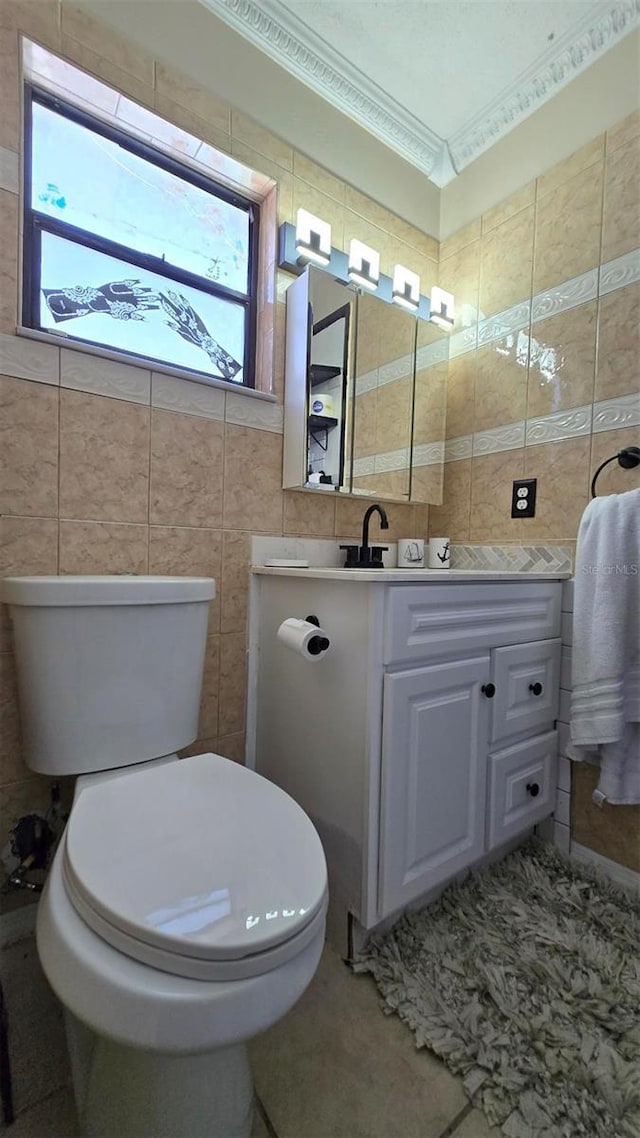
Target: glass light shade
point(442, 307)
point(364, 265)
point(406, 288)
point(313, 238)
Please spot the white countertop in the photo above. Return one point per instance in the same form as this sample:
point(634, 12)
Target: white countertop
point(407, 576)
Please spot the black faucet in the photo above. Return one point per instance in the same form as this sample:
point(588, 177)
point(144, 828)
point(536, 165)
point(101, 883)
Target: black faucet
point(372, 558)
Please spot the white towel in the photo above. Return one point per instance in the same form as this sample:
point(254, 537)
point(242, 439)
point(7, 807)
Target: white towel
point(606, 649)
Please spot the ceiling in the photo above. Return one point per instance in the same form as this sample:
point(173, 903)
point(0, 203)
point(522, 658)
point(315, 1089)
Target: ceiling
point(438, 81)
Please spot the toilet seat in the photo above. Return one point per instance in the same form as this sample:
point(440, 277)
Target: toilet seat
point(198, 867)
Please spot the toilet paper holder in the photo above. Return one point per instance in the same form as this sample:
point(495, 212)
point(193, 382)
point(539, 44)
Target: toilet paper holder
point(317, 644)
point(305, 637)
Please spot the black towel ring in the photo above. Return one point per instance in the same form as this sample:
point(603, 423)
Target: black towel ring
point(628, 458)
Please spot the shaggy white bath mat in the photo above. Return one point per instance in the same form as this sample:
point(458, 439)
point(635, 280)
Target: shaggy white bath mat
point(525, 980)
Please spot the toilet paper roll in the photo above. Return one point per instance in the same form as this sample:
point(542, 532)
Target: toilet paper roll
point(309, 641)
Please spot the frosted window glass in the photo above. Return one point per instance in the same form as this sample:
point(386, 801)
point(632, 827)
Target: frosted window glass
point(97, 298)
point(86, 180)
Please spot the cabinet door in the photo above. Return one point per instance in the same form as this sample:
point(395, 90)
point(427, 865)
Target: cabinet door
point(527, 680)
point(435, 731)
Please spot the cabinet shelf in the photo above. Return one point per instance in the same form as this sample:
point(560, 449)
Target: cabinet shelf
point(321, 373)
point(321, 422)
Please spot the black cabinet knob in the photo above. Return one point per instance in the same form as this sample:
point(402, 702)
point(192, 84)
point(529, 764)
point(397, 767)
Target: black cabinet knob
point(489, 690)
point(533, 789)
point(536, 689)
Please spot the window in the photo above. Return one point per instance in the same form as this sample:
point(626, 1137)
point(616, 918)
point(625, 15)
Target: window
point(127, 249)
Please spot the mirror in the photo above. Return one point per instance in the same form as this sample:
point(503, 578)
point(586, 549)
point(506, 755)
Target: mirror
point(365, 394)
point(383, 399)
point(321, 315)
point(330, 313)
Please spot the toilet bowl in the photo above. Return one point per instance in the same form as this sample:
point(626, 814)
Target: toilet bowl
point(185, 908)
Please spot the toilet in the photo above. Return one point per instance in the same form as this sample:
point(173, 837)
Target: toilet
point(185, 908)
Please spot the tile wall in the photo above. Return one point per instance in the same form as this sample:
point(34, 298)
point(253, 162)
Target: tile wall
point(105, 467)
point(544, 381)
point(543, 376)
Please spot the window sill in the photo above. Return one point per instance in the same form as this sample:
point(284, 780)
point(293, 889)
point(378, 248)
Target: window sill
point(141, 364)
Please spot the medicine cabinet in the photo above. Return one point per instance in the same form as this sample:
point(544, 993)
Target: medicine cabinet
point(365, 393)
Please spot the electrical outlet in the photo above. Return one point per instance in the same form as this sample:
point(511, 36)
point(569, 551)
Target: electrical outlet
point(523, 498)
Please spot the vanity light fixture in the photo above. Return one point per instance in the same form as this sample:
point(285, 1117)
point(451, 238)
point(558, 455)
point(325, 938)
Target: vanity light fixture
point(313, 238)
point(442, 308)
point(364, 265)
point(309, 241)
point(406, 288)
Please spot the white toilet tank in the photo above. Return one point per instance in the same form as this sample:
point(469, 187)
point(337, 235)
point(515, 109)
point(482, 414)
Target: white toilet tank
point(109, 668)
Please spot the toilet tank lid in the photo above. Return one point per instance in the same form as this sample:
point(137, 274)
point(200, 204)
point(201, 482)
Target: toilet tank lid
point(123, 589)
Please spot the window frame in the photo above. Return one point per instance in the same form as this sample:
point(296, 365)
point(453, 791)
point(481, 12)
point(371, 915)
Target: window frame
point(35, 223)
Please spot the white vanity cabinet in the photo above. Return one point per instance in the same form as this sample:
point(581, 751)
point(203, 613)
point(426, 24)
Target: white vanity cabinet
point(425, 738)
point(460, 790)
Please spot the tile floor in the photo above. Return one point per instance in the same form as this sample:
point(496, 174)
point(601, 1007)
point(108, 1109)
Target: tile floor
point(335, 1067)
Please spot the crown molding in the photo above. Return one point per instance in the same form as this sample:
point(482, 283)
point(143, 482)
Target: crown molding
point(282, 36)
point(571, 54)
point(275, 30)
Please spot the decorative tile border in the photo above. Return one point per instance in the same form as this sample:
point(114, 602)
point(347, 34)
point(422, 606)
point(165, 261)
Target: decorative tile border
point(613, 414)
point(510, 320)
point(462, 447)
point(622, 271)
point(426, 357)
point(464, 341)
point(428, 454)
point(29, 359)
point(395, 369)
point(105, 377)
point(609, 415)
point(431, 354)
point(570, 294)
point(256, 413)
point(187, 397)
point(367, 382)
point(575, 422)
point(392, 460)
point(364, 466)
point(560, 425)
point(33, 358)
point(519, 558)
point(508, 437)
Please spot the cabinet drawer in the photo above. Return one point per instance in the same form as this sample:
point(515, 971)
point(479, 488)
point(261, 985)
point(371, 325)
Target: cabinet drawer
point(425, 622)
point(514, 804)
point(527, 679)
